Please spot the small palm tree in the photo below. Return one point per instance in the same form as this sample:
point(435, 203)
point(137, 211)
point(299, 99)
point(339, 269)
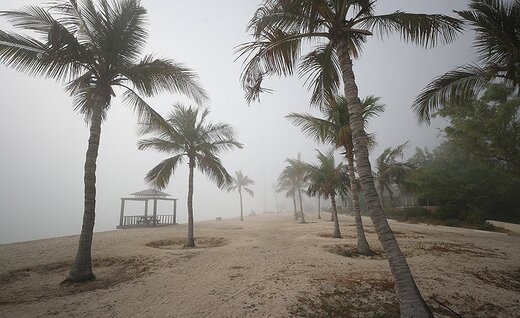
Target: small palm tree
point(334, 129)
point(329, 180)
point(292, 174)
point(239, 183)
point(189, 136)
point(338, 29)
point(497, 44)
point(290, 189)
point(390, 171)
point(94, 49)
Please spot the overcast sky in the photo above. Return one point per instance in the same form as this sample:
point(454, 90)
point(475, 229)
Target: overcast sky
point(43, 142)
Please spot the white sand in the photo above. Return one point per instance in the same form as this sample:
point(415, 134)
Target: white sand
point(267, 266)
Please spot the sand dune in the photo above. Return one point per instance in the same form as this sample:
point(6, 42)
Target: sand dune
point(267, 266)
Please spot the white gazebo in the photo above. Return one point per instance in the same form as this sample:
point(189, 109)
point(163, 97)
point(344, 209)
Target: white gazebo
point(145, 219)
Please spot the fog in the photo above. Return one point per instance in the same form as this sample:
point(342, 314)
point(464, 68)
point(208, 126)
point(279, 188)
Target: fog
point(43, 141)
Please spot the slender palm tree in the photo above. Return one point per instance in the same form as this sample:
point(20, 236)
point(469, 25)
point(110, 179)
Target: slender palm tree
point(497, 45)
point(335, 129)
point(328, 179)
point(390, 171)
point(293, 175)
point(239, 183)
point(190, 136)
point(337, 29)
point(94, 49)
point(290, 189)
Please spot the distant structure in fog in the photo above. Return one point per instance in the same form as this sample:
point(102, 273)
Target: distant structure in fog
point(145, 220)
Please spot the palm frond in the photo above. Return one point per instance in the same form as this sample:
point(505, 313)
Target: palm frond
point(160, 175)
point(451, 88)
point(426, 30)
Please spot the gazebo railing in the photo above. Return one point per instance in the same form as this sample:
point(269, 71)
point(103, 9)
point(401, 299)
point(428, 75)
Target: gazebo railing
point(141, 220)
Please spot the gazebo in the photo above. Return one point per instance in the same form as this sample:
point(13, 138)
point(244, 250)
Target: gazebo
point(146, 220)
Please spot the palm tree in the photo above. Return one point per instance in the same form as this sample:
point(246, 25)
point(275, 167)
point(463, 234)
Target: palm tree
point(239, 183)
point(389, 170)
point(292, 174)
point(327, 179)
point(94, 49)
point(338, 28)
point(290, 187)
point(189, 135)
point(497, 45)
point(334, 129)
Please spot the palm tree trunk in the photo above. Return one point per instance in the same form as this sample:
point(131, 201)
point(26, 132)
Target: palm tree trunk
point(302, 216)
point(296, 217)
point(190, 242)
point(337, 233)
point(319, 207)
point(81, 270)
point(410, 300)
point(362, 243)
point(241, 207)
point(381, 190)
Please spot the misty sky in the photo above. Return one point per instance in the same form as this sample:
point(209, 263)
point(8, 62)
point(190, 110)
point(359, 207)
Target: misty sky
point(43, 142)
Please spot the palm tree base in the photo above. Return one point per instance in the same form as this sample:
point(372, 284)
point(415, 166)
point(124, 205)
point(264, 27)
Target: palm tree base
point(76, 279)
point(190, 243)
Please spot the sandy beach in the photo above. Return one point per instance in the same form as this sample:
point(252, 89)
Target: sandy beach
point(267, 266)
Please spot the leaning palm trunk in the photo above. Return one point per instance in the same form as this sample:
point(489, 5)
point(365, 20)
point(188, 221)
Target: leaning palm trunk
point(241, 206)
point(362, 243)
point(302, 216)
point(81, 270)
point(337, 233)
point(190, 242)
point(411, 302)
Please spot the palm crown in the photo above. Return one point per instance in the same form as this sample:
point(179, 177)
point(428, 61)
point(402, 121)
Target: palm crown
point(280, 26)
point(496, 42)
point(241, 182)
point(189, 135)
point(94, 48)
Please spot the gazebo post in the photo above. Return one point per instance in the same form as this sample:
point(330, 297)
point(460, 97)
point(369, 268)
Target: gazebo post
point(122, 212)
point(175, 211)
point(154, 212)
point(145, 208)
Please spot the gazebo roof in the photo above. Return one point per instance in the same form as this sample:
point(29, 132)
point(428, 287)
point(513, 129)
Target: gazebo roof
point(150, 193)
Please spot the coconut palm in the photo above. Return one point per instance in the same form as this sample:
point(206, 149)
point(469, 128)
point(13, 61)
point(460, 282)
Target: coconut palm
point(189, 136)
point(329, 180)
point(94, 49)
point(290, 189)
point(334, 129)
point(292, 174)
point(337, 29)
point(497, 45)
point(239, 183)
point(390, 171)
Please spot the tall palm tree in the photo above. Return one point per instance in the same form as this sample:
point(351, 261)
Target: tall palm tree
point(497, 45)
point(94, 48)
point(338, 28)
point(293, 175)
point(390, 171)
point(329, 180)
point(190, 136)
point(239, 183)
point(335, 129)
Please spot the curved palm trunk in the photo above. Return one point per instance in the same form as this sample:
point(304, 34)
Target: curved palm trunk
point(190, 242)
point(362, 243)
point(241, 207)
point(81, 270)
point(411, 303)
point(381, 190)
point(302, 216)
point(337, 233)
